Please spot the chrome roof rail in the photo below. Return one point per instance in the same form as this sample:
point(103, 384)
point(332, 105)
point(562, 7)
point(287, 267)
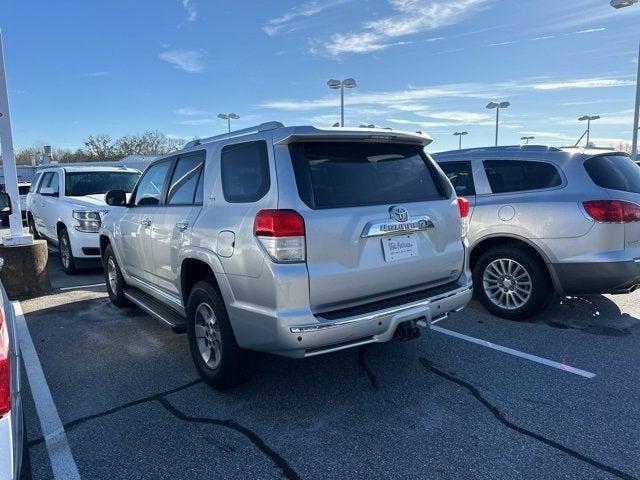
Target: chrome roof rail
point(245, 131)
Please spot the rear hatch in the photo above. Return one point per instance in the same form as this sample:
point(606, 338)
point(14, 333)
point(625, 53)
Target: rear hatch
point(381, 221)
point(619, 176)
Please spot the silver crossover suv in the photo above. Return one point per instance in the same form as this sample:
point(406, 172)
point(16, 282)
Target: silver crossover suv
point(295, 241)
point(546, 220)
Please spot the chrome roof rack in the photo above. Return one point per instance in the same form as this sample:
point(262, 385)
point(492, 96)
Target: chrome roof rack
point(255, 129)
point(503, 148)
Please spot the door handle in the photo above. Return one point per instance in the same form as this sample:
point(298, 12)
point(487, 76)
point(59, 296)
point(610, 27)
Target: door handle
point(146, 222)
point(182, 227)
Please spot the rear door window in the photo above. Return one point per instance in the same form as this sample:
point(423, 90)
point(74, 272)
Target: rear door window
point(245, 172)
point(520, 175)
point(616, 172)
point(460, 176)
point(182, 189)
point(347, 174)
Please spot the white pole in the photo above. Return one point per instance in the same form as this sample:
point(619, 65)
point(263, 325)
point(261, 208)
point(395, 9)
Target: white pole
point(634, 144)
point(16, 237)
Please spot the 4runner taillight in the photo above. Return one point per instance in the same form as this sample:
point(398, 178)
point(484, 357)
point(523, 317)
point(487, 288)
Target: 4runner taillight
point(612, 211)
point(465, 209)
point(281, 233)
point(5, 367)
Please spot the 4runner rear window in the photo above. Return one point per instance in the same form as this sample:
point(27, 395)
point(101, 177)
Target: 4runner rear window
point(347, 174)
point(616, 172)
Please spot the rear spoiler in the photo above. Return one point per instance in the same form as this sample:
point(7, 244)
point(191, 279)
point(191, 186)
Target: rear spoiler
point(312, 134)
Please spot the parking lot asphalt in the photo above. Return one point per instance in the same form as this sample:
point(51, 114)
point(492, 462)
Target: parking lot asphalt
point(132, 405)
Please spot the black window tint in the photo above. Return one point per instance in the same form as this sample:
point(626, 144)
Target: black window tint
point(45, 181)
point(23, 189)
point(515, 175)
point(34, 183)
point(460, 176)
point(151, 186)
point(199, 198)
point(343, 174)
point(616, 172)
point(245, 172)
point(185, 180)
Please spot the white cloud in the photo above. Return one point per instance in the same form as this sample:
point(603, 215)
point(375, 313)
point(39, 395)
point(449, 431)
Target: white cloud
point(192, 12)
point(590, 30)
point(198, 121)
point(285, 22)
point(459, 116)
point(191, 61)
point(411, 17)
point(96, 74)
point(191, 112)
point(548, 135)
point(584, 83)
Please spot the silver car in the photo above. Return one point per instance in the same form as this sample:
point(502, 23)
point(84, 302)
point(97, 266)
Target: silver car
point(14, 453)
point(547, 220)
point(289, 240)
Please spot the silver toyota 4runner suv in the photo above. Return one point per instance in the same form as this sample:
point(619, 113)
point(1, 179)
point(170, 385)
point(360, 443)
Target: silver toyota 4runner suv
point(289, 240)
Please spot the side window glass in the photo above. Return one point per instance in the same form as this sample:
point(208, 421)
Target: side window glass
point(184, 180)
point(34, 183)
point(149, 191)
point(517, 175)
point(45, 181)
point(55, 183)
point(199, 198)
point(245, 172)
point(460, 176)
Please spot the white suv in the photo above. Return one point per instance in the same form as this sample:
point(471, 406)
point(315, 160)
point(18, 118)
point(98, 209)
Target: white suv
point(66, 206)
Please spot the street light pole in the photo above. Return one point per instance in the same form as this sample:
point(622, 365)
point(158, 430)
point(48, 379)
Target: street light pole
point(588, 118)
point(497, 106)
point(228, 117)
point(636, 114)
point(460, 135)
point(526, 139)
point(337, 84)
point(16, 236)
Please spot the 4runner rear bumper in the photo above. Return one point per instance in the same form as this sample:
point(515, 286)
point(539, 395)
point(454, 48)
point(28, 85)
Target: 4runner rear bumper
point(372, 323)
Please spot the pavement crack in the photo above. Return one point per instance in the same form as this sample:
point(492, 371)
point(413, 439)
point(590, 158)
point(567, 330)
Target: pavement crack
point(79, 421)
point(373, 379)
point(523, 431)
point(260, 444)
point(254, 438)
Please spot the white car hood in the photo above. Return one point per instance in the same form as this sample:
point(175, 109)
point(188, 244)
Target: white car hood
point(90, 202)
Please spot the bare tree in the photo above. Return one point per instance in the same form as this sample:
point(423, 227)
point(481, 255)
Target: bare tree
point(100, 147)
point(148, 143)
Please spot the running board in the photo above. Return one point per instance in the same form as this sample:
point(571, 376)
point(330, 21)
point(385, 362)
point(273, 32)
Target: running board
point(156, 309)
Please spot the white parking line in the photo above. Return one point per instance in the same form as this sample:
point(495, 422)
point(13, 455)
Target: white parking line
point(80, 287)
point(55, 438)
point(517, 353)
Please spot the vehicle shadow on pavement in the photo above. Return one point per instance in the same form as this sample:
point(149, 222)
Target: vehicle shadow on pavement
point(593, 314)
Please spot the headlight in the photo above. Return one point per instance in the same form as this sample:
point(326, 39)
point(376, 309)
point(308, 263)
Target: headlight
point(88, 220)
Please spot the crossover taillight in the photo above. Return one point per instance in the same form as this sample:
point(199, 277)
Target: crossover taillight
point(463, 205)
point(612, 211)
point(5, 367)
point(282, 234)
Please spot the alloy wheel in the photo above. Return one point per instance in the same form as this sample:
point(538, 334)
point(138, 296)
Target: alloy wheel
point(507, 284)
point(208, 338)
point(112, 274)
point(65, 253)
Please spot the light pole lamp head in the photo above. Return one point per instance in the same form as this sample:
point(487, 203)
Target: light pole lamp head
point(622, 3)
point(589, 117)
point(334, 84)
point(349, 83)
point(504, 104)
point(233, 116)
point(223, 116)
point(492, 105)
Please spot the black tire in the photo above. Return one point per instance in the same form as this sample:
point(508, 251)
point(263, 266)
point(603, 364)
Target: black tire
point(5, 221)
point(65, 252)
point(540, 290)
point(32, 227)
point(115, 288)
point(25, 467)
point(234, 365)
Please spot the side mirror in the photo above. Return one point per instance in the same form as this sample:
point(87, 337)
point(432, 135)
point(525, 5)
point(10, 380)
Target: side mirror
point(48, 191)
point(5, 204)
point(116, 198)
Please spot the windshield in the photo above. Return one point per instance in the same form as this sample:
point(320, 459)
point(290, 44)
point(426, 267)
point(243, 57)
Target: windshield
point(79, 184)
point(344, 174)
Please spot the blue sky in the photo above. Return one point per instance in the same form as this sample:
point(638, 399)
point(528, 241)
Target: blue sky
point(77, 68)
